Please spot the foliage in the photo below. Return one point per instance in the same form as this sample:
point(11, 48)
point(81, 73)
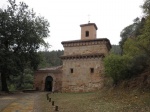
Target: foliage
point(12, 87)
point(131, 31)
point(135, 44)
point(25, 80)
point(144, 38)
point(138, 64)
point(136, 52)
point(146, 7)
point(126, 33)
point(50, 59)
point(117, 67)
point(21, 35)
point(116, 49)
point(130, 47)
point(141, 45)
point(124, 67)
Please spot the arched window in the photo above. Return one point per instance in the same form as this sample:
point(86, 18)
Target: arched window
point(87, 34)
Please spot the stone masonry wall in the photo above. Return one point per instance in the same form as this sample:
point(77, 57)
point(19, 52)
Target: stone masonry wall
point(82, 80)
point(39, 80)
point(87, 49)
point(92, 34)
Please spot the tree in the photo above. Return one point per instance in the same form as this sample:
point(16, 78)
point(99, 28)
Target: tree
point(141, 45)
point(131, 31)
point(50, 59)
point(143, 40)
point(146, 7)
point(116, 49)
point(135, 44)
point(21, 35)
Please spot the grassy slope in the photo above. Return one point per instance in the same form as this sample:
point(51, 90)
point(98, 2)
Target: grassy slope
point(101, 101)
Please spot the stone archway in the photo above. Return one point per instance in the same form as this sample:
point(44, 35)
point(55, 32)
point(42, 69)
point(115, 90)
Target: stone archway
point(48, 83)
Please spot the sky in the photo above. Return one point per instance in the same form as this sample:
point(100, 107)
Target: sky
point(66, 16)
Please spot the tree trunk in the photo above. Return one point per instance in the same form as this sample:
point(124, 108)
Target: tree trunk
point(4, 82)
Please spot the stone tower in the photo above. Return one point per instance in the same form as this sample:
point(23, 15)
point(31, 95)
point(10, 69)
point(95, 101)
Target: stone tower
point(82, 61)
point(88, 31)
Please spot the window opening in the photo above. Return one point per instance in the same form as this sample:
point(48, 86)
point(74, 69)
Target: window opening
point(87, 34)
point(71, 70)
point(92, 70)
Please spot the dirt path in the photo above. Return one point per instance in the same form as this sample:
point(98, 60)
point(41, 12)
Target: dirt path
point(6, 99)
point(20, 102)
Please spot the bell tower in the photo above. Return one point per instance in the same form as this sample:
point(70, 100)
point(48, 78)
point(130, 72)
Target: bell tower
point(83, 61)
point(88, 31)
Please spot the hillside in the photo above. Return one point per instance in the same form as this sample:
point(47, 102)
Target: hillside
point(140, 82)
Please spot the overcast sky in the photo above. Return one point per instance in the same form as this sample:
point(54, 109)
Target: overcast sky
point(65, 17)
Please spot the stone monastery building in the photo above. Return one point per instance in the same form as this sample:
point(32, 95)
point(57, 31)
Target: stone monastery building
point(82, 67)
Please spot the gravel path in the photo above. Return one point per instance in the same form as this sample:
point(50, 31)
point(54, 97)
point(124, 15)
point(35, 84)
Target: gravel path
point(6, 99)
point(41, 104)
point(21, 102)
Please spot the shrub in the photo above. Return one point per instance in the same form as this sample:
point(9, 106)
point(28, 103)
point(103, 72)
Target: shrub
point(117, 67)
point(124, 67)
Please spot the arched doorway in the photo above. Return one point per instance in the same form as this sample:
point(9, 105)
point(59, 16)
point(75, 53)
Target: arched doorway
point(48, 83)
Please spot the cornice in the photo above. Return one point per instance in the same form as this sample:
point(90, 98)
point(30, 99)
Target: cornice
point(83, 56)
point(76, 43)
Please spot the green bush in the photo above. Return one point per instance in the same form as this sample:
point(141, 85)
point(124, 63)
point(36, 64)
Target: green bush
point(12, 87)
point(117, 67)
point(124, 67)
point(138, 64)
point(28, 86)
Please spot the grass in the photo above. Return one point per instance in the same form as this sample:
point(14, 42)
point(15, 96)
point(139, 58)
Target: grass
point(101, 101)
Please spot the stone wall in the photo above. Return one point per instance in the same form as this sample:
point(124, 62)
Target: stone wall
point(40, 77)
point(83, 65)
point(80, 47)
point(82, 80)
point(88, 49)
point(82, 69)
point(92, 32)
